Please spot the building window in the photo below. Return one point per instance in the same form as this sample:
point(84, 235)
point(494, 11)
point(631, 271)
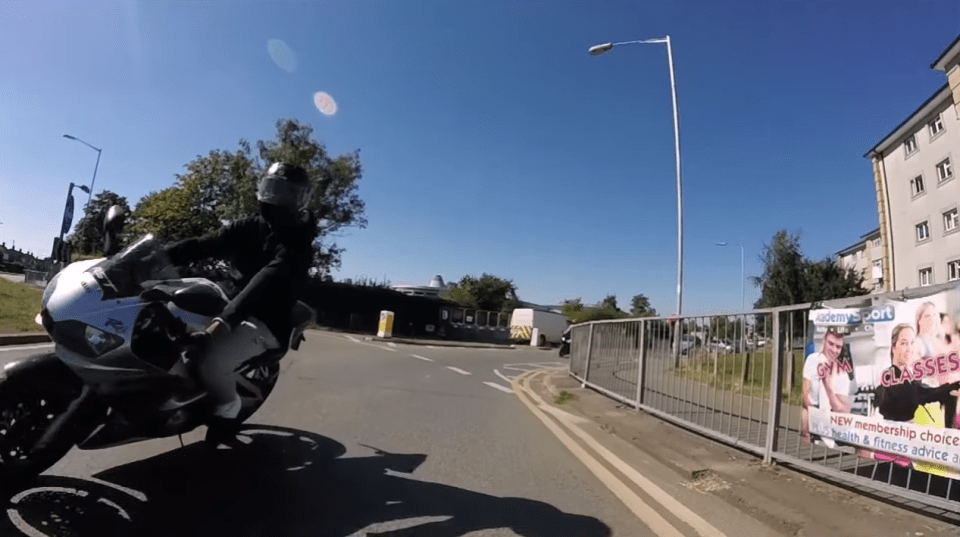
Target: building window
point(910, 145)
point(953, 270)
point(916, 185)
point(923, 232)
point(875, 242)
point(944, 171)
point(926, 277)
point(950, 220)
point(935, 126)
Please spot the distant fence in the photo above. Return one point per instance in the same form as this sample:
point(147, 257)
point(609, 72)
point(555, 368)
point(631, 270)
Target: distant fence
point(747, 394)
point(466, 324)
point(34, 276)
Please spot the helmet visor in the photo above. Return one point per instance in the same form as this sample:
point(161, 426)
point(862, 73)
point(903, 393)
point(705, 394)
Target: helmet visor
point(278, 191)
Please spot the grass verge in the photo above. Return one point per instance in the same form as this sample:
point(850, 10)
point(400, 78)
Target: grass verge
point(19, 306)
point(746, 373)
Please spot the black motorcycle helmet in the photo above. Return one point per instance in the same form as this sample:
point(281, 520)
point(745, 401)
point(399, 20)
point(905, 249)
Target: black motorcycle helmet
point(284, 192)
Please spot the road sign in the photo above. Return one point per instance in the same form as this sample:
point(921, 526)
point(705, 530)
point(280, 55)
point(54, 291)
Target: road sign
point(67, 215)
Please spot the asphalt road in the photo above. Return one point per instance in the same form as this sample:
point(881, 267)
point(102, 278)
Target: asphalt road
point(359, 438)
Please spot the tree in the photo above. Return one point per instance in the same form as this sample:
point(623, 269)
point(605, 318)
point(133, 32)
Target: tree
point(782, 280)
point(609, 303)
point(221, 186)
point(487, 292)
point(578, 313)
point(790, 278)
point(172, 214)
point(827, 280)
point(571, 307)
point(640, 307)
point(87, 236)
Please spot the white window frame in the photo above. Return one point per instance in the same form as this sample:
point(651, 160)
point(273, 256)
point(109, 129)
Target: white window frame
point(948, 167)
point(914, 191)
point(911, 140)
point(874, 243)
point(935, 122)
point(953, 270)
point(928, 272)
point(955, 220)
point(925, 225)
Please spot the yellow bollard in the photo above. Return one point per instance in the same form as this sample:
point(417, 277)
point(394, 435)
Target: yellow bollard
point(386, 324)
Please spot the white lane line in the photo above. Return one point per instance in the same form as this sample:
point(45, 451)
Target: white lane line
point(522, 367)
point(458, 370)
point(431, 347)
point(497, 386)
point(392, 344)
point(351, 338)
point(504, 377)
point(424, 358)
point(27, 347)
point(375, 346)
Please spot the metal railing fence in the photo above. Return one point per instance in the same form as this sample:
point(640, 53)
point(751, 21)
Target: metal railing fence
point(737, 379)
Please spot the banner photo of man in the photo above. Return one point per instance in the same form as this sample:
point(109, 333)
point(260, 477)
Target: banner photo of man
point(881, 378)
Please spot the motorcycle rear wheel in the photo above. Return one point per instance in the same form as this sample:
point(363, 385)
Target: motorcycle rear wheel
point(264, 378)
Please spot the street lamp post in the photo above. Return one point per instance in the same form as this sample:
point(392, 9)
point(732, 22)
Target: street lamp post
point(597, 50)
point(741, 271)
point(94, 168)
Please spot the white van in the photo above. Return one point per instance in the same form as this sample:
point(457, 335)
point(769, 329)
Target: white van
point(549, 325)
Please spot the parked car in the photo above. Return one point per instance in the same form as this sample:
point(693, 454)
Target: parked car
point(722, 345)
point(689, 342)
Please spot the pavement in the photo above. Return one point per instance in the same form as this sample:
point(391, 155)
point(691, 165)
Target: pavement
point(635, 451)
point(19, 278)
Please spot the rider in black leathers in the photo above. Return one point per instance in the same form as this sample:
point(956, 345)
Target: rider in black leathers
point(273, 252)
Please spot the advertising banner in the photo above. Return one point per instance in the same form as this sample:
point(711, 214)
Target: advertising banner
point(881, 376)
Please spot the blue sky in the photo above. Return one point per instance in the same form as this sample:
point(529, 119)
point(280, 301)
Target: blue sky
point(490, 140)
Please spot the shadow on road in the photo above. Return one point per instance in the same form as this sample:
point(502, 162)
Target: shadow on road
point(278, 482)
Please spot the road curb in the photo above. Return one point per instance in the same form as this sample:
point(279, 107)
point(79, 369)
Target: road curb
point(617, 475)
point(24, 339)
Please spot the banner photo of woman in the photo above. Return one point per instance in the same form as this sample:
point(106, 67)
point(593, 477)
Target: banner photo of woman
point(881, 378)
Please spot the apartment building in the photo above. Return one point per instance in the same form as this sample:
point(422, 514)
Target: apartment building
point(914, 169)
point(866, 257)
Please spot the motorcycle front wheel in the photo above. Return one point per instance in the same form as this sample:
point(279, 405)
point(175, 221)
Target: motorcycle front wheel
point(25, 415)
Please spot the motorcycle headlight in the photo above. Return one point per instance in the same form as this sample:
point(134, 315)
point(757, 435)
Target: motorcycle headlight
point(99, 341)
point(83, 339)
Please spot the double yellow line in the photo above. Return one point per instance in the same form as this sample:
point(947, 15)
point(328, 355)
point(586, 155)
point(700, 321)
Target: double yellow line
point(562, 424)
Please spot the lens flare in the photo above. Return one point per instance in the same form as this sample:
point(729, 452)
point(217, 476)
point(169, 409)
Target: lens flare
point(325, 103)
point(282, 55)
